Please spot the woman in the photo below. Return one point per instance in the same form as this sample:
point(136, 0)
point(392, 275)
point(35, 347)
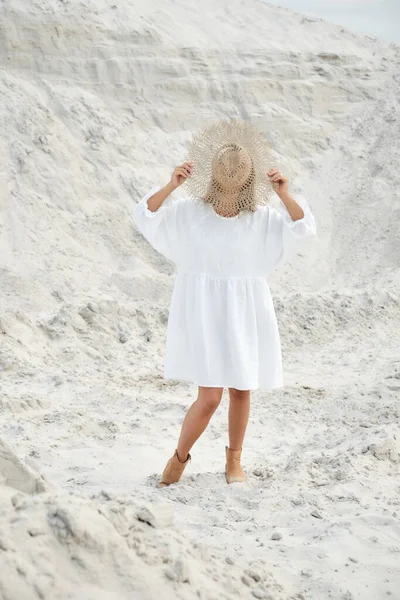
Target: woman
point(225, 240)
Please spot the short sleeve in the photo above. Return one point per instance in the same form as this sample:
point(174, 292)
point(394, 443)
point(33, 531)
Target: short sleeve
point(163, 228)
point(283, 235)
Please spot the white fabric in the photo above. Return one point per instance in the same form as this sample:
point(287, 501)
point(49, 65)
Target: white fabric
point(222, 329)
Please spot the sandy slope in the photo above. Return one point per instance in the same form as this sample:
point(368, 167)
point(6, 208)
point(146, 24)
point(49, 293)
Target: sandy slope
point(97, 103)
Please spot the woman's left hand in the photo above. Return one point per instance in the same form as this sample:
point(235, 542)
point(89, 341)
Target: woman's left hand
point(279, 181)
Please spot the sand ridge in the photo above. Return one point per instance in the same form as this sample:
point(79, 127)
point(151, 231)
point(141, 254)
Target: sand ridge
point(98, 102)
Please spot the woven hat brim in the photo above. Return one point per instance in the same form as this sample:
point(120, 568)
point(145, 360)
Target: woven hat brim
point(203, 148)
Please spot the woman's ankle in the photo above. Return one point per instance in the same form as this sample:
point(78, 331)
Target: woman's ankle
point(179, 454)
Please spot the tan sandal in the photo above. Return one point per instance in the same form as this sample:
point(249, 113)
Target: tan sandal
point(233, 470)
point(174, 469)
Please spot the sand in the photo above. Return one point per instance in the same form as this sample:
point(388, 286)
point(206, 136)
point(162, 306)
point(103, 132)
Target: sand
point(98, 102)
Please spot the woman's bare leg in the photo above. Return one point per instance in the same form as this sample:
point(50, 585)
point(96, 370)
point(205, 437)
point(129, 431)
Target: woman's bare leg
point(238, 416)
point(197, 418)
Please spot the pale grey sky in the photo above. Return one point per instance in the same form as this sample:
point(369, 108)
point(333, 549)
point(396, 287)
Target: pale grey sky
point(380, 18)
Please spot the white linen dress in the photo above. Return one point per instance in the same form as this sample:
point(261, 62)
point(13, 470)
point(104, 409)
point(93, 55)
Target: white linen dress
point(222, 329)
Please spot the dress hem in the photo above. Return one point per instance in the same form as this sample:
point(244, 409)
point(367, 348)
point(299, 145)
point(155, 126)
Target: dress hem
point(236, 387)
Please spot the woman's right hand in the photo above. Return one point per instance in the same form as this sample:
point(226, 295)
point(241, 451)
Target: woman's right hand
point(181, 173)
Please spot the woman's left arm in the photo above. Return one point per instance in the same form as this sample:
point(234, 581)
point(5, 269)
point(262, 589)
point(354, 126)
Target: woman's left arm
point(287, 224)
point(281, 186)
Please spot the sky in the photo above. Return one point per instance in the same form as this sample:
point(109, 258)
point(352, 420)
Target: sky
point(380, 18)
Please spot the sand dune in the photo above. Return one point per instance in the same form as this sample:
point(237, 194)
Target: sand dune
point(98, 102)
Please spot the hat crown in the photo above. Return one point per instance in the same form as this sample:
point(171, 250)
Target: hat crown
point(232, 159)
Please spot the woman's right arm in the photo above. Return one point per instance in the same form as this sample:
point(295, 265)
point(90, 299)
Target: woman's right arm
point(178, 177)
point(163, 225)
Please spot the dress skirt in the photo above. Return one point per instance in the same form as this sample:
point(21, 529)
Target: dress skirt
point(222, 332)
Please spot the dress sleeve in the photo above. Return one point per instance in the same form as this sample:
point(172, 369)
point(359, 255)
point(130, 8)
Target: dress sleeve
point(283, 235)
point(163, 228)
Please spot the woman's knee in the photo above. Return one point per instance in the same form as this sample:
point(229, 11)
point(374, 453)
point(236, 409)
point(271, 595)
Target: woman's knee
point(239, 394)
point(210, 398)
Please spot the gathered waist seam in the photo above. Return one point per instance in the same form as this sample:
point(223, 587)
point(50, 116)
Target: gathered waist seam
point(205, 274)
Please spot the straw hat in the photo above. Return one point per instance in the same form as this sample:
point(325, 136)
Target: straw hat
point(231, 160)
